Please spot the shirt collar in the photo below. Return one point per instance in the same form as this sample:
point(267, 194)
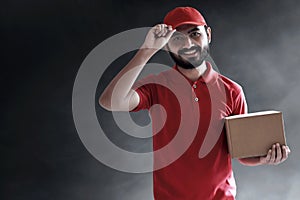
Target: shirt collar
point(209, 76)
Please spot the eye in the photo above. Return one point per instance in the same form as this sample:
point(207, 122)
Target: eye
point(195, 34)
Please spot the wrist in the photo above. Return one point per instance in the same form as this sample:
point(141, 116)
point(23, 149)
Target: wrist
point(147, 52)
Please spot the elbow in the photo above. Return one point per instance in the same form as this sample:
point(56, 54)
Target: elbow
point(105, 103)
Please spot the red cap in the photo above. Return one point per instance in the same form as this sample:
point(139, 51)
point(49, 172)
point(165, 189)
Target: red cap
point(184, 15)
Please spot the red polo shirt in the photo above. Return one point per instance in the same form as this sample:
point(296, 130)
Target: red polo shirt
point(191, 159)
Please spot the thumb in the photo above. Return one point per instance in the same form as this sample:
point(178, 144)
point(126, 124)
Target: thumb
point(169, 34)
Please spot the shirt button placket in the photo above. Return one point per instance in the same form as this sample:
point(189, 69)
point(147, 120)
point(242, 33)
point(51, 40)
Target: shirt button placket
point(195, 86)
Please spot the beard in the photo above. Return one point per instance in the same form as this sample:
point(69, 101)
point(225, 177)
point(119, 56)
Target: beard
point(193, 62)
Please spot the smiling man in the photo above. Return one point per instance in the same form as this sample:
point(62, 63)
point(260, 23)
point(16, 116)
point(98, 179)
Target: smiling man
point(186, 36)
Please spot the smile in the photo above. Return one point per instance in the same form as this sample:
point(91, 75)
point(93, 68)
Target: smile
point(190, 52)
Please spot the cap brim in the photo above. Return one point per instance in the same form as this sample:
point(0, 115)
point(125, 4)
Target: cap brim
point(190, 22)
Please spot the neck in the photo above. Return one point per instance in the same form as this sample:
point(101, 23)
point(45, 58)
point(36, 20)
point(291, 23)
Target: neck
point(194, 74)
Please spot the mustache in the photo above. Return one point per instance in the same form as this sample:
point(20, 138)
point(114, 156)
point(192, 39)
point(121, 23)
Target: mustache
point(182, 51)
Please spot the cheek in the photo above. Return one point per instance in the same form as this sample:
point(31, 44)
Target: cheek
point(173, 49)
point(205, 41)
point(199, 42)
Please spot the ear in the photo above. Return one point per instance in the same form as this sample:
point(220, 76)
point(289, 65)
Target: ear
point(208, 32)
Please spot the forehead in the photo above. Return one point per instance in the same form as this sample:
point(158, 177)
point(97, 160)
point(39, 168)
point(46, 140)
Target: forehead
point(189, 27)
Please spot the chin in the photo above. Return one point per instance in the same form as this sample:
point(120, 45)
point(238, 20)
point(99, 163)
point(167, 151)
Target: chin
point(186, 63)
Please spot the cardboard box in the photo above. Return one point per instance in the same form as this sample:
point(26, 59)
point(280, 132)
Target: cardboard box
point(253, 134)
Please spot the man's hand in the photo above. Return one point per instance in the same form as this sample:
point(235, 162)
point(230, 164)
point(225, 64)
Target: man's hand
point(276, 155)
point(158, 37)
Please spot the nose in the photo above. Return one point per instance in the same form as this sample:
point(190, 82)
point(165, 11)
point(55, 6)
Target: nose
point(188, 42)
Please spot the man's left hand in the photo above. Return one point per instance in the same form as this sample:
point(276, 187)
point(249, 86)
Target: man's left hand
point(276, 155)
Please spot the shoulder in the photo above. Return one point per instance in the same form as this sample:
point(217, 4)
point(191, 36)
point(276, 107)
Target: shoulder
point(230, 84)
point(235, 95)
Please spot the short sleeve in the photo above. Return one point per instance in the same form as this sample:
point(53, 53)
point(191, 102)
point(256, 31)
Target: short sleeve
point(240, 104)
point(145, 88)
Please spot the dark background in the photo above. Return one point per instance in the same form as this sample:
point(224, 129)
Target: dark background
point(256, 43)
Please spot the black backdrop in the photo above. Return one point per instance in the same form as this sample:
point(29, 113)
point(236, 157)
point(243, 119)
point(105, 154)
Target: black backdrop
point(44, 43)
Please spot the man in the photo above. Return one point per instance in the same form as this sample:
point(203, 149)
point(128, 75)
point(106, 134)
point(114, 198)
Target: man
point(194, 99)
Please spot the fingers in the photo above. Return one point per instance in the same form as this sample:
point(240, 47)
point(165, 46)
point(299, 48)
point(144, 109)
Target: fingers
point(276, 155)
point(269, 155)
point(158, 37)
point(158, 28)
point(286, 150)
point(162, 30)
point(170, 33)
point(273, 154)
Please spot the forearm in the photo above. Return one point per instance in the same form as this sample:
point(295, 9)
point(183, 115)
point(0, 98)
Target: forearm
point(253, 161)
point(118, 93)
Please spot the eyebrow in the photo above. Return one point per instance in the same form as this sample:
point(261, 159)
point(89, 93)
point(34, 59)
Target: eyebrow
point(177, 33)
point(194, 29)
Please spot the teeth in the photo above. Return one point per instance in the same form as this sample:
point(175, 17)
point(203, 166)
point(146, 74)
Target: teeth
point(190, 52)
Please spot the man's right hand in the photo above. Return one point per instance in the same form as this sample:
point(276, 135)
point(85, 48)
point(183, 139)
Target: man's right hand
point(158, 37)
